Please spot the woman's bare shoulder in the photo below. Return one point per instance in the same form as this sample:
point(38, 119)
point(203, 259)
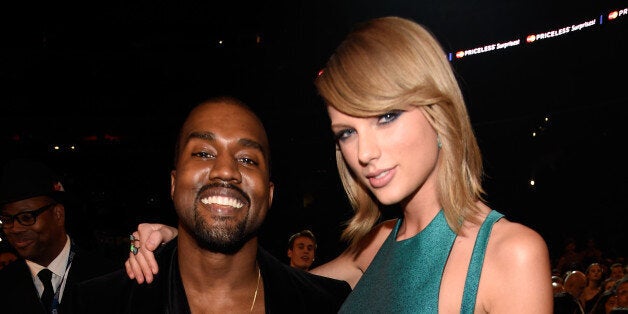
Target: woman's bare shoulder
point(516, 270)
point(513, 236)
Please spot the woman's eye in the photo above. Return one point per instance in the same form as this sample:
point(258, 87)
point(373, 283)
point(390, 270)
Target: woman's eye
point(343, 134)
point(389, 117)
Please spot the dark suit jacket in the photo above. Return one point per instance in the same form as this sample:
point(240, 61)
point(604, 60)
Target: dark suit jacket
point(286, 290)
point(565, 303)
point(18, 293)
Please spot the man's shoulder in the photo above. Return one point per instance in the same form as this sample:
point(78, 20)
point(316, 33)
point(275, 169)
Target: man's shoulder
point(115, 292)
point(88, 263)
point(295, 289)
point(98, 291)
point(102, 294)
point(276, 267)
point(299, 280)
point(118, 278)
point(564, 300)
point(17, 291)
point(115, 278)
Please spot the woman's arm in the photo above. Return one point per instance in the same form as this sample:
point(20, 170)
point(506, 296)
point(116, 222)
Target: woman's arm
point(351, 264)
point(142, 266)
point(342, 267)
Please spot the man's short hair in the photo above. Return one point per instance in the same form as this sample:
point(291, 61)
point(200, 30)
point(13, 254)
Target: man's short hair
point(303, 233)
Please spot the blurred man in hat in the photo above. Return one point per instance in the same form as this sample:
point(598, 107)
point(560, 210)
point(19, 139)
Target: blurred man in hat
point(32, 218)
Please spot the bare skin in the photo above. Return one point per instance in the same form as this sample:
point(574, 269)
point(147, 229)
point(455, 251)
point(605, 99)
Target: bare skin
point(225, 285)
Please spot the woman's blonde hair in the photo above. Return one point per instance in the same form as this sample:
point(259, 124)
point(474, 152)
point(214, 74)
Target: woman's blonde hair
point(391, 63)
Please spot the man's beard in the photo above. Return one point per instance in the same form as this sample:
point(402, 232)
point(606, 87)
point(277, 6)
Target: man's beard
point(226, 238)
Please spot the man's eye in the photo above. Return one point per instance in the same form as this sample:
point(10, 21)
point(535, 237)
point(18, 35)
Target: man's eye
point(203, 155)
point(248, 161)
point(27, 217)
point(389, 117)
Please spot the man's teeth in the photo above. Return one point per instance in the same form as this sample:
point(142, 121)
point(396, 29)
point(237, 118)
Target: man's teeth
point(222, 200)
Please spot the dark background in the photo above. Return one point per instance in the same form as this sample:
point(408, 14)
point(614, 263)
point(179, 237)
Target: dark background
point(115, 78)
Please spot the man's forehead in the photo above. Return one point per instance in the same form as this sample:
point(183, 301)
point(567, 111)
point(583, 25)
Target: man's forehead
point(243, 135)
point(25, 204)
point(232, 119)
point(304, 239)
point(223, 108)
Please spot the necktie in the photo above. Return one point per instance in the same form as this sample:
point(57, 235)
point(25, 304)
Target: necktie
point(46, 298)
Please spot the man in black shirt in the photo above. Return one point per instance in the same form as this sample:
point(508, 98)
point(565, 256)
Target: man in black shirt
point(221, 191)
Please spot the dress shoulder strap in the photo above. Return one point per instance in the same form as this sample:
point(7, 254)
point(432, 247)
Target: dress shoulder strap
point(477, 259)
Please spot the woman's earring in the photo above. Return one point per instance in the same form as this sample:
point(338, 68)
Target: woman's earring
point(440, 145)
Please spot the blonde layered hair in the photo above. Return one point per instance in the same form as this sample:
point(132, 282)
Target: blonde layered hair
point(391, 63)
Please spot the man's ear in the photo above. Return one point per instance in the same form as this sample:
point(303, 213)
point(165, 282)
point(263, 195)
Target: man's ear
point(271, 193)
point(173, 178)
point(58, 211)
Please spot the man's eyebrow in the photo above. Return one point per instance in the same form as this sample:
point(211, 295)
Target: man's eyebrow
point(246, 142)
point(252, 144)
point(202, 135)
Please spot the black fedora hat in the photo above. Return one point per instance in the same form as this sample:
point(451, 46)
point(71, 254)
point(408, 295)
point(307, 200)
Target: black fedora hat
point(25, 178)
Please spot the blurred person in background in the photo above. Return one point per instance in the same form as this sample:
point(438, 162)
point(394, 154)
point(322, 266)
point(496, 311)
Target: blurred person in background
point(593, 289)
point(617, 271)
point(7, 254)
point(605, 303)
point(302, 249)
point(33, 220)
point(621, 291)
point(568, 302)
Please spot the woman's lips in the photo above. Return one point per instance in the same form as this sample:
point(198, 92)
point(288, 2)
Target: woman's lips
point(382, 178)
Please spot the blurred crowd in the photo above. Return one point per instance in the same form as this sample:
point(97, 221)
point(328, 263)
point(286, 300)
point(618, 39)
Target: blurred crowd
point(588, 280)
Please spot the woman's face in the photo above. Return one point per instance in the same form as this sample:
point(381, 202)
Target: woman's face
point(393, 154)
point(594, 272)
